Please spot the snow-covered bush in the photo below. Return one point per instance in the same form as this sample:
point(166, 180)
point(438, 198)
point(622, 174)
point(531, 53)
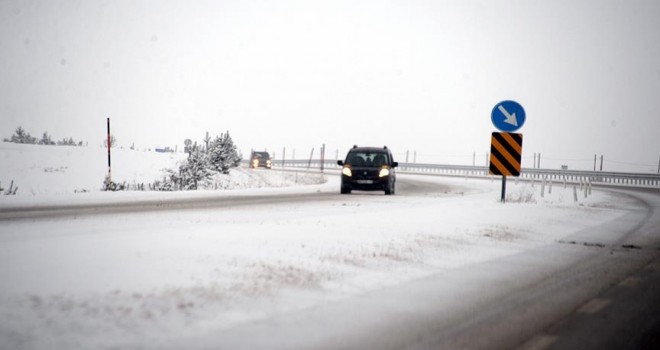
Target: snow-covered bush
point(169, 183)
point(68, 142)
point(10, 191)
point(109, 185)
point(525, 194)
point(113, 142)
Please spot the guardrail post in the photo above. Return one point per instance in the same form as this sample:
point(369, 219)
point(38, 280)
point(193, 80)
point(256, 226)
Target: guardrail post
point(585, 190)
point(594, 162)
point(309, 165)
point(322, 157)
point(543, 188)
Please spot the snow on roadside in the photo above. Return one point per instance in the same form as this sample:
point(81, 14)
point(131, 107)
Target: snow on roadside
point(42, 172)
point(55, 170)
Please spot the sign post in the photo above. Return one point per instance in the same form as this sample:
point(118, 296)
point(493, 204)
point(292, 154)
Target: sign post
point(506, 146)
point(503, 199)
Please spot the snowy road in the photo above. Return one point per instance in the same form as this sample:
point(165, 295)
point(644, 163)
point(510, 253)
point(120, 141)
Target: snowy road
point(441, 264)
point(502, 303)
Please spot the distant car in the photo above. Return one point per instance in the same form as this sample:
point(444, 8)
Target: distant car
point(260, 159)
point(368, 169)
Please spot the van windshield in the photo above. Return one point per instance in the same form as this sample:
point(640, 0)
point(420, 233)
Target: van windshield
point(367, 159)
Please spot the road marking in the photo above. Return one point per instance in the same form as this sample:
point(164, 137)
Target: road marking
point(539, 342)
point(594, 306)
point(510, 118)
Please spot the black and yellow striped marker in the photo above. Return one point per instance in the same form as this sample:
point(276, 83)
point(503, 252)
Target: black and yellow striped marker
point(505, 154)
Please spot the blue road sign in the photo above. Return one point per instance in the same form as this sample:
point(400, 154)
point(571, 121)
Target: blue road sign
point(508, 116)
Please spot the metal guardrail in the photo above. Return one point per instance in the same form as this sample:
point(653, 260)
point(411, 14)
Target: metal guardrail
point(569, 176)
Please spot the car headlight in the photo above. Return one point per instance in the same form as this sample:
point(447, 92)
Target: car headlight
point(384, 172)
point(347, 171)
point(255, 162)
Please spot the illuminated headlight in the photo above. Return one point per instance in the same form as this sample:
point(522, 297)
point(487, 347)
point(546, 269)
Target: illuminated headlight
point(255, 162)
point(347, 171)
point(268, 162)
point(384, 172)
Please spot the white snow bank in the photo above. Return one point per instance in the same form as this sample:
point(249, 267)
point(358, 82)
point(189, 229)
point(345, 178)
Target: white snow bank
point(43, 171)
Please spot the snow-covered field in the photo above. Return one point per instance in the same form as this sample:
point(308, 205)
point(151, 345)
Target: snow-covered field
point(135, 279)
point(48, 173)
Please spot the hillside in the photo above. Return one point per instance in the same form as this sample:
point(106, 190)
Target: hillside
point(43, 171)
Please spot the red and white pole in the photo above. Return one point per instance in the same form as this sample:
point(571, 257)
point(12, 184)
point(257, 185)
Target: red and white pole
point(109, 145)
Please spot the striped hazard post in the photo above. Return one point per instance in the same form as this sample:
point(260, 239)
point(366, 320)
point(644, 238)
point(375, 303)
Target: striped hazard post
point(505, 155)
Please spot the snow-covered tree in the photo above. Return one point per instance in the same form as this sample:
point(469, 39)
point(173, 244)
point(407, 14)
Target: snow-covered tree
point(222, 154)
point(207, 139)
point(22, 136)
point(187, 145)
point(195, 170)
point(19, 135)
point(202, 163)
point(46, 140)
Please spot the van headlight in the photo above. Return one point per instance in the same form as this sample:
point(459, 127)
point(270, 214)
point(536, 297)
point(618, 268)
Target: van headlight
point(384, 172)
point(347, 171)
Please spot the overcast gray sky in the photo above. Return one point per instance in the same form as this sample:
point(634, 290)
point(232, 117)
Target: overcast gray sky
point(415, 75)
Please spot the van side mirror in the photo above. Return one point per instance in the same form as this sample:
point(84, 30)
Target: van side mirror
point(395, 164)
point(340, 163)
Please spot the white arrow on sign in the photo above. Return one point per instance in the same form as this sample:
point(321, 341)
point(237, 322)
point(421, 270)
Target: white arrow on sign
point(510, 118)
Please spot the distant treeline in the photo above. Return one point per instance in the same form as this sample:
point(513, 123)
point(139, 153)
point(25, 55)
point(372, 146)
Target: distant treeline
point(22, 136)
